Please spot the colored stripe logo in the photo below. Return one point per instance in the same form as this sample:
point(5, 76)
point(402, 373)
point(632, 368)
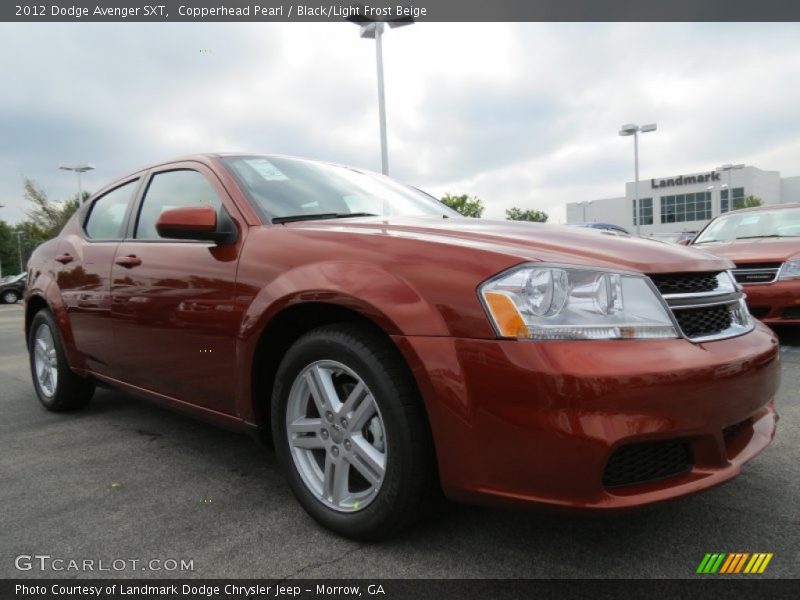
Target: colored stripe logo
point(734, 563)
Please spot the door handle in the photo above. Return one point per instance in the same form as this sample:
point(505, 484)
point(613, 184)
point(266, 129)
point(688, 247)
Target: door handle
point(64, 258)
point(128, 261)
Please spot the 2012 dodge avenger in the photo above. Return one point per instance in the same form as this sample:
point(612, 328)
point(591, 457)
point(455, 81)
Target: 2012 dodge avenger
point(395, 350)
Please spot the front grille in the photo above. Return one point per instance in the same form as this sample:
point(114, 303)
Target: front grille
point(707, 320)
point(705, 305)
point(756, 272)
point(685, 283)
point(647, 461)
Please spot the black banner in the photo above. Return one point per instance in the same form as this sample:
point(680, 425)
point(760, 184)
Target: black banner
point(394, 589)
point(419, 10)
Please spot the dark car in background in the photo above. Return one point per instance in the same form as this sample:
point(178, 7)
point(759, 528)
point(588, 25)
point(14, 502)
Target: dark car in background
point(12, 288)
point(604, 226)
point(764, 244)
point(683, 238)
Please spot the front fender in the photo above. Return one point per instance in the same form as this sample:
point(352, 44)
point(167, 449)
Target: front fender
point(389, 301)
point(384, 298)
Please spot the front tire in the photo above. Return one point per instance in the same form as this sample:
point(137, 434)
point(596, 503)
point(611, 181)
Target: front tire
point(351, 433)
point(58, 388)
point(10, 297)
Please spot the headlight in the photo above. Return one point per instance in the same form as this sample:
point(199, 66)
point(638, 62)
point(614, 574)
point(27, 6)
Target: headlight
point(790, 270)
point(565, 303)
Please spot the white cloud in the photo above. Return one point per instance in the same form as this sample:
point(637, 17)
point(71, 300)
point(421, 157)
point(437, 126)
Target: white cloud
point(519, 114)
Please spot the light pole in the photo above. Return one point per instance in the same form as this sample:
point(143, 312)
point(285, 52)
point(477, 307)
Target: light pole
point(80, 168)
point(19, 251)
point(728, 167)
point(634, 130)
point(374, 30)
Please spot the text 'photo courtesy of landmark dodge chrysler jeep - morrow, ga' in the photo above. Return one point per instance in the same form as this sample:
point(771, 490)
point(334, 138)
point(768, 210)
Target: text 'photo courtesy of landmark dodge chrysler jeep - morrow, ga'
point(397, 352)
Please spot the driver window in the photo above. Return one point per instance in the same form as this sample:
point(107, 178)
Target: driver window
point(173, 189)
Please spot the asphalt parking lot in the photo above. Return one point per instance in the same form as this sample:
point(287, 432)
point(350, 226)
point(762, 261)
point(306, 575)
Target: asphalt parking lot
point(125, 479)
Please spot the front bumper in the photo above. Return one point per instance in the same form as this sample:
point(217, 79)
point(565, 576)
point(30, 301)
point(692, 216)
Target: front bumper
point(537, 422)
point(775, 303)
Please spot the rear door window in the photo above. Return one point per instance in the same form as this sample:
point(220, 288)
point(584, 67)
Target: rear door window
point(107, 216)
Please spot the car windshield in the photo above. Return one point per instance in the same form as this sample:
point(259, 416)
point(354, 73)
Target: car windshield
point(782, 222)
point(286, 189)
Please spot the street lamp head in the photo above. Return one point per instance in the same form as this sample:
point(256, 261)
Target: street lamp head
point(400, 22)
point(370, 30)
point(79, 168)
point(632, 128)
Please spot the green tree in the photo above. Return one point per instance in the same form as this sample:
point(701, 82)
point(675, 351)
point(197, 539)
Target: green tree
point(469, 207)
point(9, 257)
point(30, 236)
point(748, 202)
point(48, 216)
point(517, 214)
point(45, 220)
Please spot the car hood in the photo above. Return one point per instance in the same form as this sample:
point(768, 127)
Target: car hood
point(759, 250)
point(531, 242)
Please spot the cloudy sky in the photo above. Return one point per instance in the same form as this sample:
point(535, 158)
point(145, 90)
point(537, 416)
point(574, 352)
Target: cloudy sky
point(518, 114)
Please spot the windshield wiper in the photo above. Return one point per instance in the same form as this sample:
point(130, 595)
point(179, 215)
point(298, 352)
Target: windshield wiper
point(772, 235)
point(746, 237)
point(292, 218)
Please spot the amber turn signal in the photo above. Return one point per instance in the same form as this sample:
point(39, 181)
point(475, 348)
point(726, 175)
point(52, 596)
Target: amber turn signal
point(506, 315)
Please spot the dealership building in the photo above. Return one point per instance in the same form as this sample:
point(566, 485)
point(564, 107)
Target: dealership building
point(686, 202)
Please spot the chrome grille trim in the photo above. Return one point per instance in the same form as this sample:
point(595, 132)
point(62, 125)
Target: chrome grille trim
point(729, 295)
point(741, 274)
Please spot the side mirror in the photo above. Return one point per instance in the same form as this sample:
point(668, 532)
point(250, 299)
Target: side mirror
point(196, 223)
point(685, 242)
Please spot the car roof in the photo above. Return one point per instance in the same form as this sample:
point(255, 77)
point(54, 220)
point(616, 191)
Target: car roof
point(207, 158)
point(765, 207)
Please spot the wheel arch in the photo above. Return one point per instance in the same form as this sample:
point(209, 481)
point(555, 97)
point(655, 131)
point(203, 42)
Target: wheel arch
point(278, 334)
point(47, 295)
point(33, 305)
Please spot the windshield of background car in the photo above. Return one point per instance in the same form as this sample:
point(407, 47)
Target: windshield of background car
point(760, 223)
point(283, 187)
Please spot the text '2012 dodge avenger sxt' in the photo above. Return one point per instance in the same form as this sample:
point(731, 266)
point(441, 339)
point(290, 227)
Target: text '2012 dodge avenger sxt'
point(395, 350)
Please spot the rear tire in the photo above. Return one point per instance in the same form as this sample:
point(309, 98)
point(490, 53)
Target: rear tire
point(58, 388)
point(351, 403)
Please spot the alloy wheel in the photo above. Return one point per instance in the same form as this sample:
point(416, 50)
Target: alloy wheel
point(45, 360)
point(336, 436)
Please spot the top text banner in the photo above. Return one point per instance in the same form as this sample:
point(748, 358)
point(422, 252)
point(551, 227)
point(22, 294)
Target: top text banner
point(419, 10)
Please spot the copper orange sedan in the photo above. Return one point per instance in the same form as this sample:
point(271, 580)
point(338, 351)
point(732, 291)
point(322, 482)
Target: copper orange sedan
point(764, 244)
point(396, 351)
